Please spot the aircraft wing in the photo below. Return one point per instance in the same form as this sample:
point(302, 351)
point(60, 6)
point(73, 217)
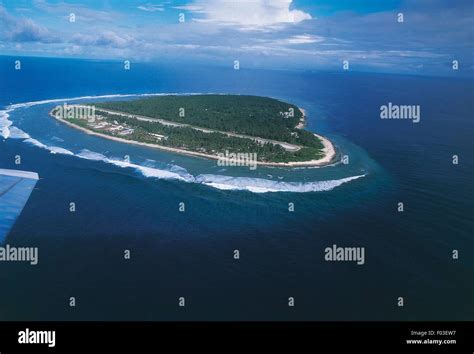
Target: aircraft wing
point(15, 189)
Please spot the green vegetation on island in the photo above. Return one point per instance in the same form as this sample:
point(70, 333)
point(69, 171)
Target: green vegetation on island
point(208, 124)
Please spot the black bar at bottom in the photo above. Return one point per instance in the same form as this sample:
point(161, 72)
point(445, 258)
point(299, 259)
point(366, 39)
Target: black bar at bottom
point(237, 336)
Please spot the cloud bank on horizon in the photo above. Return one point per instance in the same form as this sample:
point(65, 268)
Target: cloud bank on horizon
point(417, 36)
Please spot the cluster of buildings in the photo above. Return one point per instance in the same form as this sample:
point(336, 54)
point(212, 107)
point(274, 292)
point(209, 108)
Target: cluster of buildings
point(114, 128)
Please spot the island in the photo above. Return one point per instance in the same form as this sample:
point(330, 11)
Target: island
point(206, 125)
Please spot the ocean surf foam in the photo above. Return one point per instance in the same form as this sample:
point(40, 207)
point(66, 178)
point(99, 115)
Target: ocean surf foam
point(260, 185)
point(255, 185)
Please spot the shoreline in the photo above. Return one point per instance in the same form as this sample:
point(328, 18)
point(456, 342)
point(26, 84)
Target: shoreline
point(328, 149)
point(302, 123)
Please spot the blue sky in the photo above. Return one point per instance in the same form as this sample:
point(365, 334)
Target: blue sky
point(298, 34)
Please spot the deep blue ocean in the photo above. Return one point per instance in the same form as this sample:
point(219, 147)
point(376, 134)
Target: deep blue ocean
point(190, 254)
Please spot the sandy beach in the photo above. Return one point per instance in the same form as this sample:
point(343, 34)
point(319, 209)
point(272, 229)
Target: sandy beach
point(329, 151)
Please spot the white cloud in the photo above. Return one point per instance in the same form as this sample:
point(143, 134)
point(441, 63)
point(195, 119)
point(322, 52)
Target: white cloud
point(106, 38)
point(81, 11)
point(247, 13)
point(151, 7)
point(303, 39)
point(22, 29)
point(192, 8)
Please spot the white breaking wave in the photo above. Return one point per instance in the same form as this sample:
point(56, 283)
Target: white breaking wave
point(152, 172)
point(35, 103)
point(5, 123)
point(91, 155)
point(16, 133)
point(259, 185)
point(52, 149)
point(146, 171)
point(255, 185)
